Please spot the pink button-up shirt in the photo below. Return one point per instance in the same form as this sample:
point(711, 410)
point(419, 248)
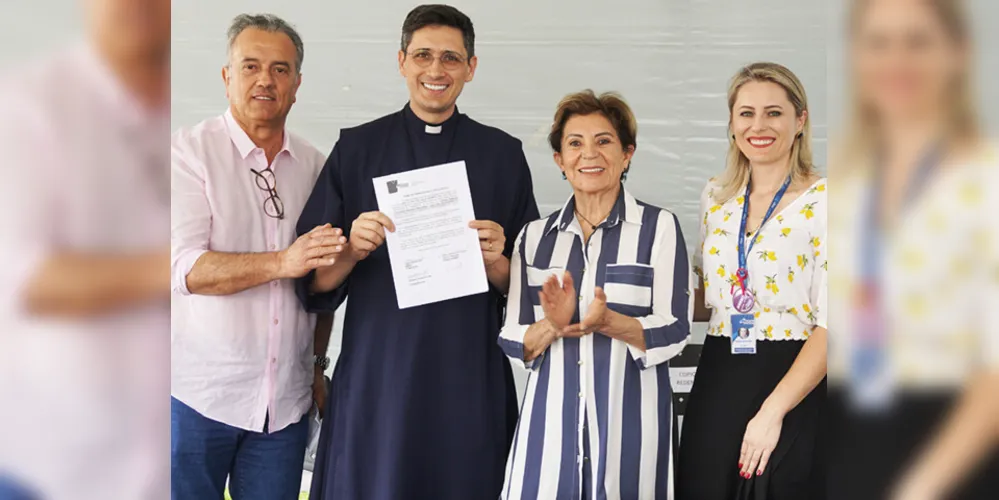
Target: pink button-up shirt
point(84, 171)
point(238, 358)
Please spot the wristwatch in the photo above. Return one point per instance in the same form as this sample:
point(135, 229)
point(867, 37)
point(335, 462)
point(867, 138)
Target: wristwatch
point(322, 361)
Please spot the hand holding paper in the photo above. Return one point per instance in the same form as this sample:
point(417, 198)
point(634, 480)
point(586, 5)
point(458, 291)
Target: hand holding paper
point(491, 240)
point(367, 233)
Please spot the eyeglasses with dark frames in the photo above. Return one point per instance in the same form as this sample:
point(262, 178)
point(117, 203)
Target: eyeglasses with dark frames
point(266, 181)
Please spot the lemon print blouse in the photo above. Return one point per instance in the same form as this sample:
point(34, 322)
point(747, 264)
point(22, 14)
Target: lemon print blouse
point(787, 265)
point(940, 275)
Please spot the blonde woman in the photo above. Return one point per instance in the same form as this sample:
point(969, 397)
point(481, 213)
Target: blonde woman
point(599, 302)
point(752, 418)
point(915, 243)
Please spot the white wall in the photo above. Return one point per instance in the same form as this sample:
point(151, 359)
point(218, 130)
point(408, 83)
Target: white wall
point(28, 29)
point(670, 59)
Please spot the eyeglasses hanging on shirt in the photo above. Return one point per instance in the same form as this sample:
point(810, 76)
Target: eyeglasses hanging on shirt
point(267, 182)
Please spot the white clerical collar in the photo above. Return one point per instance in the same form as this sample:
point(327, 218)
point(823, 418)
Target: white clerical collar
point(433, 129)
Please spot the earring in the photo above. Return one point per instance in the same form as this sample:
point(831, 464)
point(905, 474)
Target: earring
point(563, 175)
point(800, 134)
point(733, 137)
point(624, 175)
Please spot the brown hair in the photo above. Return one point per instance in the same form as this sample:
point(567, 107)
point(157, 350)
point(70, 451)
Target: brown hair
point(609, 104)
point(736, 173)
point(438, 15)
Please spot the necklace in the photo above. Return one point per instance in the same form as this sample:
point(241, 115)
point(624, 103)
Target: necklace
point(592, 225)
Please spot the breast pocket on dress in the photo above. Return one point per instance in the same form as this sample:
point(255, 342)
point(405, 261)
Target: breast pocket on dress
point(629, 288)
point(536, 277)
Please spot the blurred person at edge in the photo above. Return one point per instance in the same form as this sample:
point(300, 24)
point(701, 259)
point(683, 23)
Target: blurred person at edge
point(915, 366)
point(84, 349)
point(244, 369)
point(754, 414)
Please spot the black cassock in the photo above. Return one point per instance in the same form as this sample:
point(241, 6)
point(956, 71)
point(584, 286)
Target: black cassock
point(422, 404)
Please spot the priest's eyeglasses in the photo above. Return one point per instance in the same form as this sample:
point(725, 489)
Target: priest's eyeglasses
point(424, 58)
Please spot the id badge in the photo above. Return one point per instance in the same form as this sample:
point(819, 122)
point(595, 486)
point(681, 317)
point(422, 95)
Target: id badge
point(872, 383)
point(872, 379)
point(743, 339)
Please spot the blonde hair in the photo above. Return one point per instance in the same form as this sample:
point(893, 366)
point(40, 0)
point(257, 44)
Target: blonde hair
point(862, 136)
point(736, 173)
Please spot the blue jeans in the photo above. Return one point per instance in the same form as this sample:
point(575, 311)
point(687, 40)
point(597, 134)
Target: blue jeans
point(259, 465)
point(10, 489)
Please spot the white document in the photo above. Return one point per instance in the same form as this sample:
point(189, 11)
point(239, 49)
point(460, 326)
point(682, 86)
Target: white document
point(434, 255)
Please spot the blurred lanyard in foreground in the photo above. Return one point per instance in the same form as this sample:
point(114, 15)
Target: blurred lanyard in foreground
point(872, 378)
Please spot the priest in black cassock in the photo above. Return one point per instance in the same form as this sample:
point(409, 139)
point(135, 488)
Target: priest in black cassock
point(422, 404)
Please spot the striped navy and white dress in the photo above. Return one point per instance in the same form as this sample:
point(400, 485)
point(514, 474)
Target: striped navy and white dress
point(596, 420)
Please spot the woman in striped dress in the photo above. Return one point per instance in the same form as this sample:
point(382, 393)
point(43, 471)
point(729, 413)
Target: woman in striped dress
point(599, 302)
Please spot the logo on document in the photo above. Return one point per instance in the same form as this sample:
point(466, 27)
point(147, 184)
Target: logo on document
point(393, 187)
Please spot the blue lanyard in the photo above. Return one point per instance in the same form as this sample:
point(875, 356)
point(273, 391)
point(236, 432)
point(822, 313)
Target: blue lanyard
point(744, 255)
point(872, 237)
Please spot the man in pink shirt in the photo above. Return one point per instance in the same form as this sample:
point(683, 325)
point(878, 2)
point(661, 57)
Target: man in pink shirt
point(244, 371)
point(84, 214)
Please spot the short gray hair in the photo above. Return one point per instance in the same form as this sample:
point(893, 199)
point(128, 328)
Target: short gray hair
point(271, 23)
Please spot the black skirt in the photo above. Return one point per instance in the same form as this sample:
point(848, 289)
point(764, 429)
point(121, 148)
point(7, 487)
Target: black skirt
point(727, 393)
point(868, 453)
